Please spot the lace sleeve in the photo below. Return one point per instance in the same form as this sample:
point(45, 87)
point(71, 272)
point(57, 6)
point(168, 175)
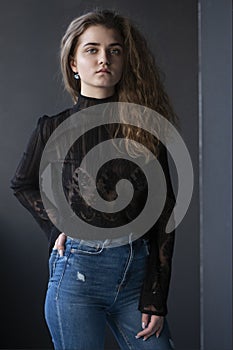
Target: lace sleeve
point(25, 182)
point(154, 293)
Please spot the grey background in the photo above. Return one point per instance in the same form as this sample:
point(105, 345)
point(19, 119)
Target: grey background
point(215, 140)
point(30, 33)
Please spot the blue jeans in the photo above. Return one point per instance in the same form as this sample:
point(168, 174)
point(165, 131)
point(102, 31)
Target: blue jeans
point(93, 285)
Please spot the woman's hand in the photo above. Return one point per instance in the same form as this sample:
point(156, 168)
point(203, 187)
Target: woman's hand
point(151, 326)
point(60, 243)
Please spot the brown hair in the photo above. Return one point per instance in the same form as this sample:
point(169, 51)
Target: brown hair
point(140, 82)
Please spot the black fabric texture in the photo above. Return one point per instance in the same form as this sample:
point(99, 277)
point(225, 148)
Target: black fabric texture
point(25, 184)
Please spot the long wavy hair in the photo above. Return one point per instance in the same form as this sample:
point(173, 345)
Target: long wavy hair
point(141, 77)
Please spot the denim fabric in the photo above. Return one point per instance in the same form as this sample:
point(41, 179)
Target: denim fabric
point(93, 285)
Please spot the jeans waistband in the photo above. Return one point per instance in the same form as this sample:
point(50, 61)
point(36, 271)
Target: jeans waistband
point(108, 243)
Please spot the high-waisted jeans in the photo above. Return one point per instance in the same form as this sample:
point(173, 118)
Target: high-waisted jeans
point(93, 285)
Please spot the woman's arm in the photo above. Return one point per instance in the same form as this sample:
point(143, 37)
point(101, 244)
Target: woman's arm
point(25, 182)
point(153, 299)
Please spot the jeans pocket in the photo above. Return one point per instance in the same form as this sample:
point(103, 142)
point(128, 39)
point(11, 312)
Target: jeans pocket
point(84, 249)
point(52, 262)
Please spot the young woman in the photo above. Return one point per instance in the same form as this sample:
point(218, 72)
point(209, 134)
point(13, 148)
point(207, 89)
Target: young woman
point(104, 58)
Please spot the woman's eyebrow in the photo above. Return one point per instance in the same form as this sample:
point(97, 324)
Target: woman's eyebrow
point(98, 44)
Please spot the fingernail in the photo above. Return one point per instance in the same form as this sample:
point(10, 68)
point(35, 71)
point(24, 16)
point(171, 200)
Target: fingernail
point(144, 339)
point(157, 335)
point(137, 336)
point(143, 325)
point(61, 252)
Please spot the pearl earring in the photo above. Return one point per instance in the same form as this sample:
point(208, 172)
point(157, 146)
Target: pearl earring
point(76, 76)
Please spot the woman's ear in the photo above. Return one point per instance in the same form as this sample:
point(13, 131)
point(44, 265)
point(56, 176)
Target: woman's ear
point(73, 65)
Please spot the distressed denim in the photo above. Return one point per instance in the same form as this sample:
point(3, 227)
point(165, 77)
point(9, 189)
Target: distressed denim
point(91, 286)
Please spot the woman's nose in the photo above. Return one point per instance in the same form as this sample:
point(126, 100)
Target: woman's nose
point(104, 58)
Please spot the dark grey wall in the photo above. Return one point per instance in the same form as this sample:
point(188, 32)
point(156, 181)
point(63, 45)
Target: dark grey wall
point(215, 42)
point(30, 33)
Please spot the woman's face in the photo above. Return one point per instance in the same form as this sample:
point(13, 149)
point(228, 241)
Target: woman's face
point(99, 61)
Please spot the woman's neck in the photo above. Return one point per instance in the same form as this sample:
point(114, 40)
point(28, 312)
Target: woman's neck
point(98, 93)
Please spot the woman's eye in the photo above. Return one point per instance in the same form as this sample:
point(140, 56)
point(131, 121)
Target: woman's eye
point(91, 50)
point(115, 51)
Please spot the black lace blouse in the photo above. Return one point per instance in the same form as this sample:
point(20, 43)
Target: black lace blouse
point(25, 184)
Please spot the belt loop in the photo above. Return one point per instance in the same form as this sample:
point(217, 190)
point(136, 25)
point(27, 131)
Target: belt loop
point(130, 238)
point(71, 243)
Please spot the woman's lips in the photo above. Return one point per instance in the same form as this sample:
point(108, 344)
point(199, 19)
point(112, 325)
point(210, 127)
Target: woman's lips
point(103, 71)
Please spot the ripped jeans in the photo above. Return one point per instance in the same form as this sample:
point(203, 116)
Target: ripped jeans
point(93, 285)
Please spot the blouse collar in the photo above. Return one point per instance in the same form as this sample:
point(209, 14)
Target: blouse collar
point(85, 101)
